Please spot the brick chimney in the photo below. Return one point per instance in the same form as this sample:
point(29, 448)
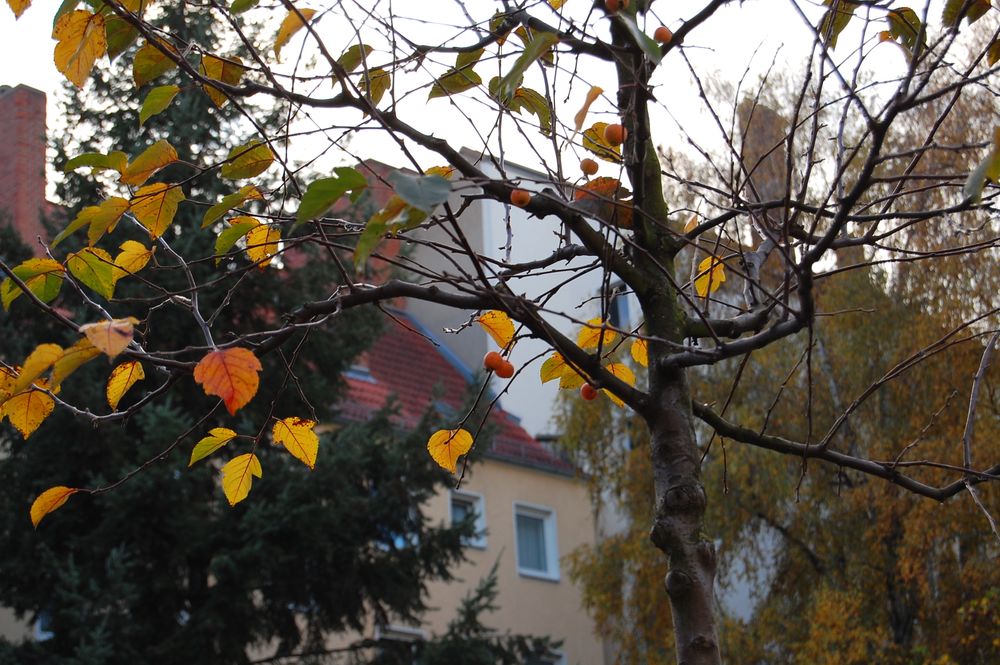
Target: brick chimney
point(22, 161)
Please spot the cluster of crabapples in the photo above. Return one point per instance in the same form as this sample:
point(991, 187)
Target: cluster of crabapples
point(496, 363)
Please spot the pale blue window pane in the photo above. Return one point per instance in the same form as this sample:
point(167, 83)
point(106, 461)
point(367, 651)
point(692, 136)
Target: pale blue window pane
point(459, 510)
point(531, 543)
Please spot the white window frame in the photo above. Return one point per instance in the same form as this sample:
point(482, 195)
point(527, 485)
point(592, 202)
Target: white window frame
point(477, 540)
point(549, 526)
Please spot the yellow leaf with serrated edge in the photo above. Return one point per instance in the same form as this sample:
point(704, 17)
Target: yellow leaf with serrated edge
point(27, 410)
point(581, 115)
point(623, 373)
point(81, 42)
point(155, 206)
point(217, 437)
point(111, 337)
point(18, 6)
point(499, 326)
point(231, 374)
point(151, 160)
point(554, 367)
point(292, 23)
point(640, 352)
point(262, 244)
point(48, 501)
point(122, 378)
point(71, 360)
point(298, 438)
point(590, 336)
point(39, 360)
point(711, 275)
point(229, 70)
point(237, 476)
point(571, 379)
point(133, 257)
point(447, 445)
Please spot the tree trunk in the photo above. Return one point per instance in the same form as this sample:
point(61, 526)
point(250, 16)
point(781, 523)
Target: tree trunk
point(678, 529)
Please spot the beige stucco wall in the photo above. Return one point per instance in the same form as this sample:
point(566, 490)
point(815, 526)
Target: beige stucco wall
point(526, 605)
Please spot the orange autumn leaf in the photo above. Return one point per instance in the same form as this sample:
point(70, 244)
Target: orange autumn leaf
point(581, 115)
point(298, 438)
point(447, 445)
point(231, 374)
point(122, 378)
point(237, 477)
point(499, 326)
point(111, 337)
point(50, 500)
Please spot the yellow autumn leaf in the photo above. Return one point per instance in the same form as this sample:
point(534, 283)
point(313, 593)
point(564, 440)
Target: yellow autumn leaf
point(581, 115)
point(48, 501)
point(133, 257)
point(623, 373)
point(640, 352)
point(231, 374)
point(590, 337)
point(262, 244)
point(571, 379)
point(151, 160)
point(692, 223)
point(151, 62)
point(71, 359)
point(99, 219)
point(298, 438)
point(375, 84)
point(122, 378)
point(39, 360)
point(711, 275)
point(18, 6)
point(217, 437)
point(81, 42)
point(155, 206)
point(111, 337)
point(554, 367)
point(27, 410)
point(556, 4)
point(229, 70)
point(447, 445)
point(237, 476)
point(292, 23)
point(499, 326)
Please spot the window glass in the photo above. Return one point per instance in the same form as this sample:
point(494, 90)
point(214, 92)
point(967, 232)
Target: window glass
point(531, 543)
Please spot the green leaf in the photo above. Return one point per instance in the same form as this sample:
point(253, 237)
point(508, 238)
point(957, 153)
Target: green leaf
point(905, 27)
point(952, 14)
point(240, 6)
point(537, 47)
point(239, 227)
point(354, 56)
point(369, 238)
point(43, 277)
point(526, 99)
point(151, 63)
point(375, 84)
point(230, 201)
point(116, 161)
point(247, 161)
point(323, 193)
point(119, 34)
point(217, 437)
point(835, 19)
point(641, 39)
point(94, 268)
point(424, 192)
point(455, 81)
point(469, 58)
point(157, 101)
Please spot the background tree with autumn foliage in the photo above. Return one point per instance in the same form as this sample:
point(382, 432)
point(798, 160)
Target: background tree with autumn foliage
point(754, 277)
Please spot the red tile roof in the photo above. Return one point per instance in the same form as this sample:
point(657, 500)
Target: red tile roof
point(405, 362)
